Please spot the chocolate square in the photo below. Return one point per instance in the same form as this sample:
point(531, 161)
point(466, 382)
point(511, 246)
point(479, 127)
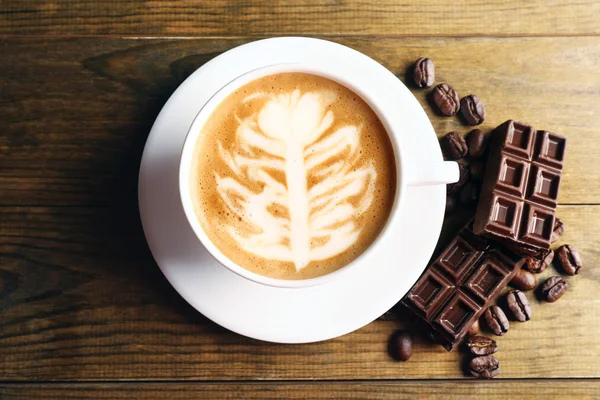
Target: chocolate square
point(430, 293)
point(488, 277)
point(513, 176)
point(506, 214)
point(550, 149)
point(543, 186)
point(519, 139)
point(537, 225)
point(457, 315)
point(457, 258)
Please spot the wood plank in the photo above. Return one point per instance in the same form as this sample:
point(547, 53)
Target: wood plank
point(536, 389)
point(81, 299)
point(299, 17)
point(76, 115)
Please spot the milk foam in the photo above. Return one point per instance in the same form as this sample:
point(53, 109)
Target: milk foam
point(326, 187)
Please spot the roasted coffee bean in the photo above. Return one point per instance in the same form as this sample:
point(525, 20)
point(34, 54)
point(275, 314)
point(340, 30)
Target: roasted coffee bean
point(518, 305)
point(524, 280)
point(554, 288)
point(485, 367)
point(476, 170)
point(463, 177)
point(537, 266)
point(557, 232)
point(401, 345)
point(496, 320)
point(477, 143)
point(472, 109)
point(474, 329)
point(482, 345)
point(446, 99)
point(424, 73)
point(450, 204)
point(469, 194)
point(569, 259)
point(454, 146)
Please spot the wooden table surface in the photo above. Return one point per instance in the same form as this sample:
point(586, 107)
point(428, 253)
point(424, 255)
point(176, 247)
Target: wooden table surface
point(85, 311)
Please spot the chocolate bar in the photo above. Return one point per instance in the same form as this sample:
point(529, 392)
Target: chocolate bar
point(461, 283)
point(520, 188)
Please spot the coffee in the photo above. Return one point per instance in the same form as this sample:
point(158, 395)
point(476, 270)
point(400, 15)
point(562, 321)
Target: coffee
point(293, 176)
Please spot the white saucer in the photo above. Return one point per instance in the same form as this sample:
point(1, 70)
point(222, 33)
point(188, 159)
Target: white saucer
point(263, 312)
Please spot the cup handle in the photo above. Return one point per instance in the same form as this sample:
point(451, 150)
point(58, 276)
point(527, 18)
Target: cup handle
point(433, 173)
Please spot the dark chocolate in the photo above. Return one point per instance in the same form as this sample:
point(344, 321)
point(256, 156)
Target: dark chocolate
point(459, 285)
point(520, 188)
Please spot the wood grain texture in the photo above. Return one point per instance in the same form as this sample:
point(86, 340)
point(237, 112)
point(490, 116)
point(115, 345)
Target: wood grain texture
point(451, 390)
point(76, 112)
point(299, 17)
point(81, 299)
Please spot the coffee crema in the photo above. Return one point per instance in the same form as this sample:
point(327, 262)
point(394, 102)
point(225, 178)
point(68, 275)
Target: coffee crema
point(293, 176)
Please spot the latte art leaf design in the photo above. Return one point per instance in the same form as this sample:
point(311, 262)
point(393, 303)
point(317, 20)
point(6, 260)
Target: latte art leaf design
point(327, 185)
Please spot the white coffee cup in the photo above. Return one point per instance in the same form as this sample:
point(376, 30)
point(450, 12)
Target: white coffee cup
point(417, 173)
